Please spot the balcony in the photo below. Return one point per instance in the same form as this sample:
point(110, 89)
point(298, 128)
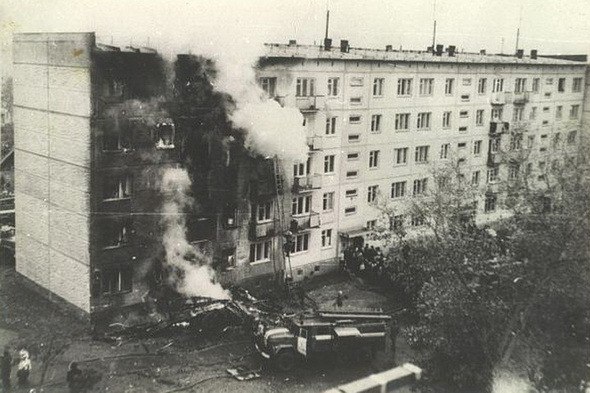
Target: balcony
point(520, 98)
point(494, 158)
point(498, 127)
point(315, 143)
point(260, 230)
point(307, 183)
point(310, 104)
point(306, 221)
point(520, 126)
point(498, 98)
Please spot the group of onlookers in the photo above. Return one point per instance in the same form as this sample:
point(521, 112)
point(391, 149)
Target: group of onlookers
point(368, 262)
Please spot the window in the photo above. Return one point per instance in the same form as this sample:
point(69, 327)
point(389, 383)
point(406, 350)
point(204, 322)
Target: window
point(482, 85)
point(398, 189)
point(371, 224)
point(477, 148)
point(535, 85)
point(497, 114)
point(466, 81)
point(518, 114)
point(331, 125)
point(327, 238)
point(556, 140)
point(444, 151)
point(357, 81)
point(301, 205)
point(400, 155)
point(404, 87)
point(351, 193)
point(475, 178)
point(465, 97)
point(378, 87)
point(559, 112)
point(516, 142)
point(530, 141)
point(397, 221)
point(117, 187)
point(546, 109)
point(263, 211)
point(372, 192)
point(420, 186)
point(116, 234)
point(333, 87)
point(493, 174)
point(356, 100)
point(350, 210)
point(520, 85)
point(423, 122)
point(498, 85)
point(426, 86)
point(376, 123)
point(351, 174)
point(354, 119)
point(260, 251)
point(354, 138)
point(446, 120)
point(494, 145)
point(449, 86)
point(533, 114)
point(479, 117)
point(268, 85)
point(577, 85)
point(421, 154)
point(305, 87)
point(115, 141)
point(352, 156)
point(571, 137)
point(116, 280)
point(329, 164)
point(561, 85)
point(464, 114)
point(301, 169)
point(402, 121)
point(328, 201)
point(300, 243)
point(373, 158)
point(513, 171)
point(417, 220)
point(490, 203)
point(574, 111)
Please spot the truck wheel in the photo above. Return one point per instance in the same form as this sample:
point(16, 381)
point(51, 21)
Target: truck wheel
point(284, 361)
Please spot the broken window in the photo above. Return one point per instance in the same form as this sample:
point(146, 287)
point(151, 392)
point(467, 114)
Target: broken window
point(116, 234)
point(268, 84)
point(113, 88)
point(117, 187)
point(116, 280)
point(263, 211)
point(165, 134)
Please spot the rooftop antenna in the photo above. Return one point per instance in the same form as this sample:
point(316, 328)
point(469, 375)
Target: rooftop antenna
point(327, 18)
point(518, 29)
point(434, 30)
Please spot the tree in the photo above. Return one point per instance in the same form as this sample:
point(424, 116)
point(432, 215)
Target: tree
point(480, 294)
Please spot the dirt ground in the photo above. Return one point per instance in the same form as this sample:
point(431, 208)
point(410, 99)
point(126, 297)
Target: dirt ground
point(184, 361)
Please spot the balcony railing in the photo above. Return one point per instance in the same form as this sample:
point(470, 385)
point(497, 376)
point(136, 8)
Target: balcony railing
point(309, 220)
point(520, 125)
point(259, 230)
point(307, 183)
point(520, 98)
point(498, 98)
point(494, 158)
point(310, 104)
point(498, 127)
point(315, 142)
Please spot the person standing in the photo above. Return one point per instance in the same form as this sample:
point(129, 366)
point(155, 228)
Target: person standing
point(23, 368)
point(6, 368)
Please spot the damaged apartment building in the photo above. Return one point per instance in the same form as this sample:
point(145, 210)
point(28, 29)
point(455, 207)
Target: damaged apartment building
point(95, 126)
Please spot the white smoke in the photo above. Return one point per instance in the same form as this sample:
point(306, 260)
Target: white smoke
point(506, 382)
point(190, 271)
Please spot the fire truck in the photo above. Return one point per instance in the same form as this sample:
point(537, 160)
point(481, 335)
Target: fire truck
point(340, 333)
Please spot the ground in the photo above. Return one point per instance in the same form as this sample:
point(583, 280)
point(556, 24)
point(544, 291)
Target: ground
point(183, 361)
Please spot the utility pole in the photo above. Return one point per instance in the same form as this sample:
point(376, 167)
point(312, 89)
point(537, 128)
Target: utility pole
point(518, 29)
point(327, 22)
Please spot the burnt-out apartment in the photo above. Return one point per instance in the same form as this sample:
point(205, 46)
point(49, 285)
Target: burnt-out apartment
point(95, 128)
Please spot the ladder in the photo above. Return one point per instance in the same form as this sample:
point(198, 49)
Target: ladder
point(280, 202)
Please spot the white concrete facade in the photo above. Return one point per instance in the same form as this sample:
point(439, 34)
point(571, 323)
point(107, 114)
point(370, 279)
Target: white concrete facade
point(368, 88)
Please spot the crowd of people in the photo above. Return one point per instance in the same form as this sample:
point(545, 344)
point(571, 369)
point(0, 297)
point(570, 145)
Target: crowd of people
point(23, 368)
point(367, 262)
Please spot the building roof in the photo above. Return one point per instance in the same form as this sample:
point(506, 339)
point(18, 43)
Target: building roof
point(317, 52)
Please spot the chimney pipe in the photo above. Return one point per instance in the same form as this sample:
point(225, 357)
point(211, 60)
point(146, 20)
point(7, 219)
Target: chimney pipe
point(439, 49)
point(292, 42)
point(533, 54)
point(327, 43)
point(519, 53)
point(388, 48)
point(451, 50)
point(482, 52)
point(344, 46)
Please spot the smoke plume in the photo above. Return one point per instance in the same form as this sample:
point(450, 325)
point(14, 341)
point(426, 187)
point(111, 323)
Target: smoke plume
point(190, 271)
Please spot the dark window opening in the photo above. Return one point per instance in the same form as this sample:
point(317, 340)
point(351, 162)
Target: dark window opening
point(165, 135)
point(116, 280)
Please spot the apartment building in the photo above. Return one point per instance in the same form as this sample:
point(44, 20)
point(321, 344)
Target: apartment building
point(378, 121)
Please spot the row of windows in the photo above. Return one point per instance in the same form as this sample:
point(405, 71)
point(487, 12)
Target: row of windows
point(305, 87)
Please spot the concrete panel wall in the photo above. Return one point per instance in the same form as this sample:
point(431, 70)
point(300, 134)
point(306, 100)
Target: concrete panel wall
point(52, 162)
